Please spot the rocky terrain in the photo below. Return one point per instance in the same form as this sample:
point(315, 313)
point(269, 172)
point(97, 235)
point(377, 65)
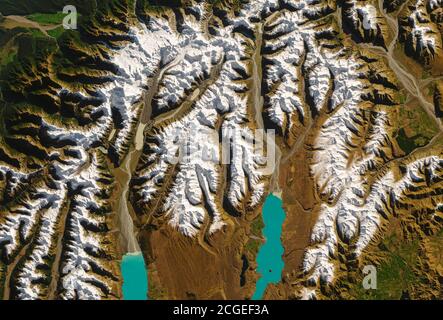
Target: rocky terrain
point(113, 140)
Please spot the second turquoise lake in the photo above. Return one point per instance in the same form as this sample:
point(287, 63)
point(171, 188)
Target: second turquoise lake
point(269, 258)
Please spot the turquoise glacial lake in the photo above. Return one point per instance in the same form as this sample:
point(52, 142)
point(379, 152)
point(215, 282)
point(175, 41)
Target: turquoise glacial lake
point(135, 279)
point(269, 257)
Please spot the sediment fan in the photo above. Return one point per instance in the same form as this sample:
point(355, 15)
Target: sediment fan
point(90, 121)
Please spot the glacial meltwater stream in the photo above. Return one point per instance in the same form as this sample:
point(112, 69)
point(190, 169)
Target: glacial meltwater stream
point(135, 280)
point(269, 258)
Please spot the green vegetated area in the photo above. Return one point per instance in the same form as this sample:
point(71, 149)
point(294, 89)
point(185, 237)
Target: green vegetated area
point(47, 18)
point(28, 7)
point(8, 48)
point(416, 128)
point(54, 19)
point(8, 52)
point(30, 49)
point(28, 52)
point(7, 56)
point(51, 23)
point(57, 32)
point(20, 50)
point(254, 242)
point(18, 45)
point(12, 37)
point(395, 275)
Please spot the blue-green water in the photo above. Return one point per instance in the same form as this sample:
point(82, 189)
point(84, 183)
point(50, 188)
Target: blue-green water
point(269, 258)
point(135, 280)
